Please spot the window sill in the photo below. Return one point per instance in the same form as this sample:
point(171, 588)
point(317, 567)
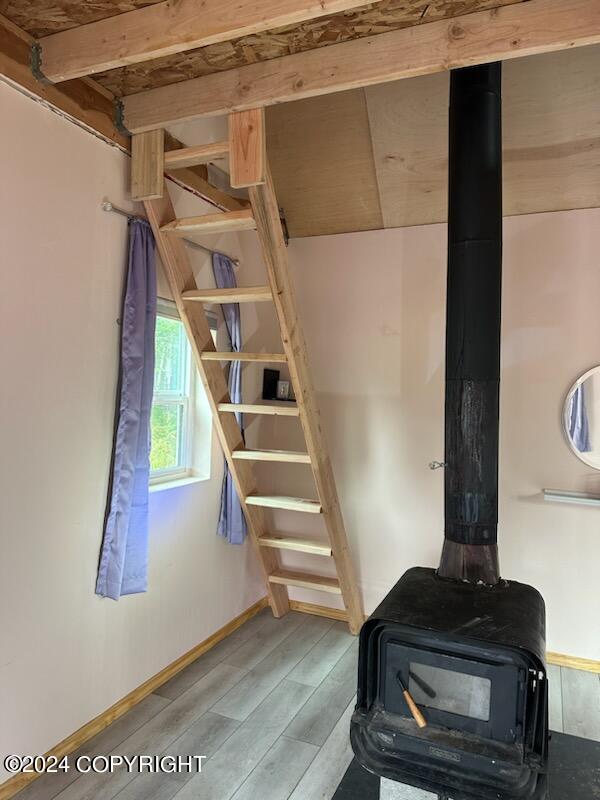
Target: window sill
point(161, 486)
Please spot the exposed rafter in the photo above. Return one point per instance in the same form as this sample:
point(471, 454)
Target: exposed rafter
point(537, 26)
point(83, 99)
point(89, 104)
point(170, 27)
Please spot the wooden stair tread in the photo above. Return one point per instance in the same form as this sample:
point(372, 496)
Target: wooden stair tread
point(246, 294)
point(306, 580)
point(185, 157)
point(282, 541)
point(286, 503)
point(212, 223)
point(257, 408)
point(216, 355)
point(288, 456)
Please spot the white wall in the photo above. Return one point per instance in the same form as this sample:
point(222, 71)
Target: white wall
point(65, 654)
point(372, 307)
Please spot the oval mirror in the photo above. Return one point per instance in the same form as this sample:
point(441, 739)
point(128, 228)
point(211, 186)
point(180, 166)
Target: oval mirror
point(582, 417)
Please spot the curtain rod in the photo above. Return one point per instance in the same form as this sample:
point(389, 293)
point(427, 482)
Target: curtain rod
point(108, 206)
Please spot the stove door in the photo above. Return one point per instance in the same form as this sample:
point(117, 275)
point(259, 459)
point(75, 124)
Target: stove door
point(454, 691)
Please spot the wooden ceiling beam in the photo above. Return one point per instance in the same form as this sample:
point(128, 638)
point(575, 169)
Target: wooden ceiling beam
point(83, 100)
point(86, 102)
point(530, 28)
point(170, 27)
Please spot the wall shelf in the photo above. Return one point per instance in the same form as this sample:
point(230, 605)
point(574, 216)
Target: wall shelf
point(563, 496)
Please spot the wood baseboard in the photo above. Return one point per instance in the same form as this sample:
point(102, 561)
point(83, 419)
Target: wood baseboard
point(561, 660)
point(13, 785)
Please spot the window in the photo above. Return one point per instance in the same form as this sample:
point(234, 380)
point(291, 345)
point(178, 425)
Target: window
point(174, 406)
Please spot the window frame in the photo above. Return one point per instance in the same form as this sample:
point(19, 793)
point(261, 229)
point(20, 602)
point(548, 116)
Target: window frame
point(187, 400)
point(168, 309)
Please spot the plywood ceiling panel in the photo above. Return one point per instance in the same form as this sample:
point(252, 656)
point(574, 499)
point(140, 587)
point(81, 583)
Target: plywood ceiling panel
point(331, 178)
point(551, 138)
point(42, 17)
point(409, 129)
point(320, 153)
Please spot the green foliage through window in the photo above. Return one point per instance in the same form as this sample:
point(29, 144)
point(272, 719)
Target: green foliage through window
point(171, 396)
point(166, 425)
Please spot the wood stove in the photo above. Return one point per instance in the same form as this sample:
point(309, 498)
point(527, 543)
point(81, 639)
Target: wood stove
point(452, 688)
point(472, 659)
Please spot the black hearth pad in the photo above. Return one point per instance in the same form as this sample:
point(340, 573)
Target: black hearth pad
point(574, 773)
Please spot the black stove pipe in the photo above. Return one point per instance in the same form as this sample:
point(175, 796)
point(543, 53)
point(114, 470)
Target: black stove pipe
point(473, 325)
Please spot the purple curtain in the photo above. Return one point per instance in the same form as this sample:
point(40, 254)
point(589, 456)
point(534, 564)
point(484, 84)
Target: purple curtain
point(123, 563)
point(579, 428)
point(232, 523)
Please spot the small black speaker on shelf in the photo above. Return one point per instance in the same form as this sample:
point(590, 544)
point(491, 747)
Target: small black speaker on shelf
point(270, 378)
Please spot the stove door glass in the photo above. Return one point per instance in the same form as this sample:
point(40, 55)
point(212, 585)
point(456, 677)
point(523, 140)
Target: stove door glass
point(446, 690)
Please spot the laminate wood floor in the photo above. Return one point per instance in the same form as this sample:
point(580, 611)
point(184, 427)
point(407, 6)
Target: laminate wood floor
point(270, 708)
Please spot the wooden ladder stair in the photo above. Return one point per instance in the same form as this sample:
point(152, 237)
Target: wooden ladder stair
point(249, 168)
